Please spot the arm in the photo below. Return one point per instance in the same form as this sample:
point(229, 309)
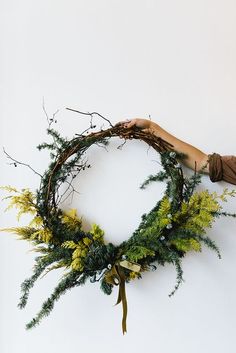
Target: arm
point(193, 153)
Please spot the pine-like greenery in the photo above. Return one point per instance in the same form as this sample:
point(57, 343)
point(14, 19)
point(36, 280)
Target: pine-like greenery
point(177, 224)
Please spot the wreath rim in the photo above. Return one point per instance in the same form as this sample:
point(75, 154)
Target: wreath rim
point(147, 245)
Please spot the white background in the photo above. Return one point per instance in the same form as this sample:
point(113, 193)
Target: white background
point(173, 60)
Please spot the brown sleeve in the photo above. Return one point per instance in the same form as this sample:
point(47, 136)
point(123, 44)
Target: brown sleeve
point(222, 168)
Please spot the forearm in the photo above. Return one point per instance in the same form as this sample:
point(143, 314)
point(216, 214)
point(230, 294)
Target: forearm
point(194, 155)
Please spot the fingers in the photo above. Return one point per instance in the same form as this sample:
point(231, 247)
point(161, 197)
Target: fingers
point(137, 122)
point(122, 122)
point(127, 123)
point(130, 123)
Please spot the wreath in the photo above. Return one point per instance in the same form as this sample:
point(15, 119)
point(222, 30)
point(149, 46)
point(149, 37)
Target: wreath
point(175, 225)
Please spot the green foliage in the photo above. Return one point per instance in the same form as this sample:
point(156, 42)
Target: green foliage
point(32, 235)
point(106, 287)
point(97, 233)
point(71, 220)
point(179, 271)
point(209, 243)
point(197, 214)
point(186, 244)
point(136, 253)
point(161, 176)
point(23, 200)
point(72, 279)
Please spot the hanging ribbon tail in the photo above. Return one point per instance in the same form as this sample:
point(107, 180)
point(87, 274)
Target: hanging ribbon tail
point(122, 298)
point(116, 276)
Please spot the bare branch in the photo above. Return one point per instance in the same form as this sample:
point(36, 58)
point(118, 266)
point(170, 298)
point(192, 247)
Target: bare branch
point(121, 145)
point(49, 120)
point(45, 112)
point(91, 114)
point(15, 163)
point(101, 146)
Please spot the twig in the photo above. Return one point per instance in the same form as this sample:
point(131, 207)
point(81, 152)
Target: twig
point(91, 114)
point(45, 112)
point(101, 146)
point(15, 162)
point(49, 120)
point(121, 145)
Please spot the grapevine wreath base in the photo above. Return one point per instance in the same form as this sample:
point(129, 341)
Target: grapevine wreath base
point(176, 224)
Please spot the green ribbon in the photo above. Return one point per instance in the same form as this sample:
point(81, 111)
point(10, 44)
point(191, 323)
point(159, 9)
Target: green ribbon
point(116, 276)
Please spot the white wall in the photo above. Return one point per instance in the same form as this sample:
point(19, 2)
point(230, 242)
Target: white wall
point(174, 60)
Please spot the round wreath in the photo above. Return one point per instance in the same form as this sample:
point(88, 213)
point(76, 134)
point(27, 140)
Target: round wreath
point(176, 224)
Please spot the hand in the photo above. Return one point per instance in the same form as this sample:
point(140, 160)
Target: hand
point(143, 124)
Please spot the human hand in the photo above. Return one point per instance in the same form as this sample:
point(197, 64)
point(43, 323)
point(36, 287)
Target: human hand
point(142, 124)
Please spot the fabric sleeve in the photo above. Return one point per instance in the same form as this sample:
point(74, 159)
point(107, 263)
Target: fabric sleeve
point(222, 168)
